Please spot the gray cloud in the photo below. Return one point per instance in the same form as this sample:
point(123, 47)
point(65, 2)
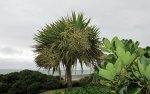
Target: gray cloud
point(20, 20)
point(15, 64)
point(10, 51)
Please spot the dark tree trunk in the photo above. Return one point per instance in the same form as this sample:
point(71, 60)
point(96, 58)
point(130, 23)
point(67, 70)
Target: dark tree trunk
point(69, 76)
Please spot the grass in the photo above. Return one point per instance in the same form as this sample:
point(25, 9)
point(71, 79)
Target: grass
point(51, 91)
point(87, 89)
point(54, 91)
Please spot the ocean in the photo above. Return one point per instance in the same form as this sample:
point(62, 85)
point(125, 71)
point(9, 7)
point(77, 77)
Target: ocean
point(77, 72)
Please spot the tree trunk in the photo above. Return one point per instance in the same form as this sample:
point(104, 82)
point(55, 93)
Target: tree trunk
point(69, 76)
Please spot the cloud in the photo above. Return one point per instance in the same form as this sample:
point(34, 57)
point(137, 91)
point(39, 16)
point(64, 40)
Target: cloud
point(15, 64)
point(16, 58)
point(21, 19)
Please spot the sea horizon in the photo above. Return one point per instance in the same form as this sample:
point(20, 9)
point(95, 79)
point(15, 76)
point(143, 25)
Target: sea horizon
point(44, 71)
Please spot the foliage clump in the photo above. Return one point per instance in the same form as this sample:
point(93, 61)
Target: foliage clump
point(87, 89)
point(28, 82)
point(126, 67)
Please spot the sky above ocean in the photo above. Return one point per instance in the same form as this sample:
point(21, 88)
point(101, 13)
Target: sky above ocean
point(21, 19)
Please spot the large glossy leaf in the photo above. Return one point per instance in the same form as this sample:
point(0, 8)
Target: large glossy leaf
point(127, 58)
point(104, 49)
point(141, 68)
point(147, 72)
point(107, 43)
point(109, 66)
point(144, 61)
point(120, 51)
point(141, 51)
point(106, 74)
point(118, 65)
point(118, 43)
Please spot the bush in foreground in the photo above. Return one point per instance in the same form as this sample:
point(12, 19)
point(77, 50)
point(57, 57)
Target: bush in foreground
point(87, 89)
point(126, 67)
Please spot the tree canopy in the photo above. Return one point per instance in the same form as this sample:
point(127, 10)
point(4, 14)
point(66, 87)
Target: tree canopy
point(66, 41)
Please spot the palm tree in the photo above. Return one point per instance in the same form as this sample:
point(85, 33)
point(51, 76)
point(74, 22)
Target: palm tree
point(66, 42)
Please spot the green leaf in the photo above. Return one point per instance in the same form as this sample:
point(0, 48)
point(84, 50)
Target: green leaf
point(106, 74)
point(109, 66)
point(149, 52)
point(120, 51)
point(135, 91)
point(141, 51)
point(111, 58)
point(118, 43)
point(136, 73)
point(147, 72)
point(107, 43)
point(104, 49)
point(136, 44)
point(127, 58)
point(144, 61)
point(118, 65)
point(141, 68)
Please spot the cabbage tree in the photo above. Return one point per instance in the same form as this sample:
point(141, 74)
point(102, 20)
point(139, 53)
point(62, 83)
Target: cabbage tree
point(65, 42)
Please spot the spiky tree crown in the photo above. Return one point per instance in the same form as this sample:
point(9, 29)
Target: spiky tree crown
point(66, 40)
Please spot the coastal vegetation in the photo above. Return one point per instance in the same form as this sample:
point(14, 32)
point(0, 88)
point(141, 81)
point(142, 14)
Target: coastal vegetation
point(87, 89)
point(126, 68)
point(28, 82)
point(34, 82)
point(120, 66)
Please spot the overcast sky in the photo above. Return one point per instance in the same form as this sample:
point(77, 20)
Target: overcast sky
point(20, 20)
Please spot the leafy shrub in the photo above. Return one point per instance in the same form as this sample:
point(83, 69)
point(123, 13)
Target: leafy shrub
point(87, 89)
point(34, 88)
point(75, 83)
point(28, 82)
point(126, 67)
point(3, 87)
point(10, 78)
point(1, 77)
point(20, 87)
point(54, 84)
point(63, 84)
point(58, 78)
point(85, 80)
point(26, 72)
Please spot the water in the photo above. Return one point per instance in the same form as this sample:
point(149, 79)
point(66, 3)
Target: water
point(77, 72)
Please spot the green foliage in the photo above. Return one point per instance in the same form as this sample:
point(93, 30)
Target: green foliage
point(109, 73)
point(64, 39)
point(147, 52)
point(3, 87)
point(144, 67)
point(85, 80)
point(34, 88)
point(10, 78)
point(28, 82)
point(18, 88)
point(87, 89)
point(53, 84)
point(126, 66)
